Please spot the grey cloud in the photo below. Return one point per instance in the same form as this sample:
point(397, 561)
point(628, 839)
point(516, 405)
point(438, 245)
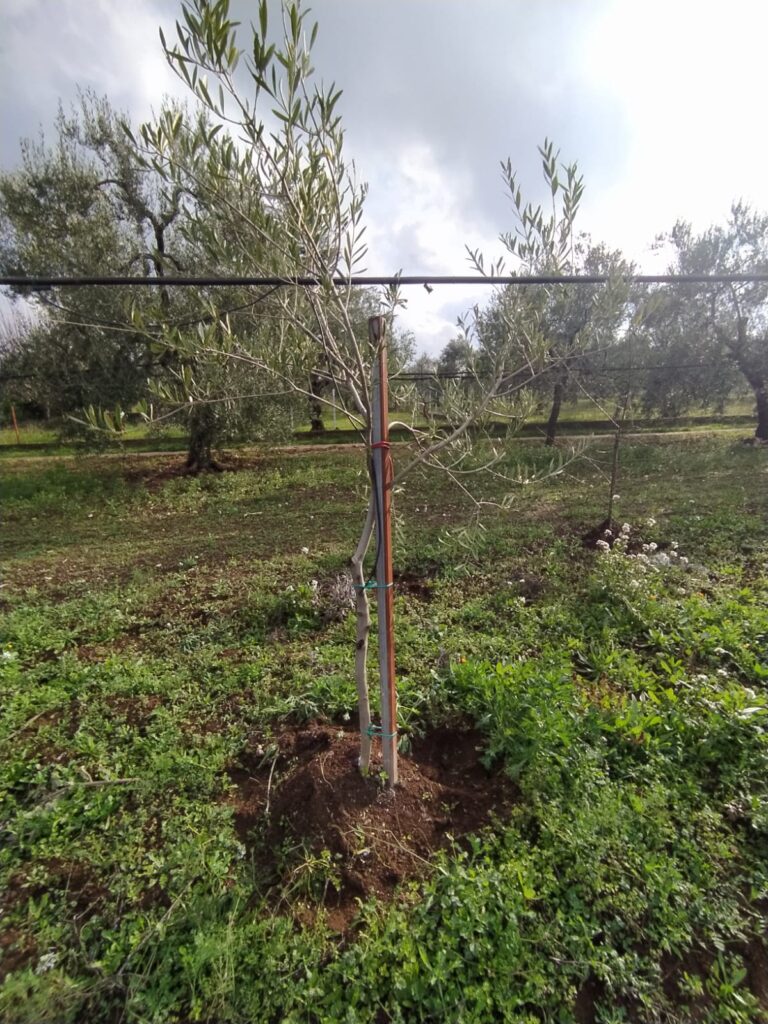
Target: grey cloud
point(479, 81)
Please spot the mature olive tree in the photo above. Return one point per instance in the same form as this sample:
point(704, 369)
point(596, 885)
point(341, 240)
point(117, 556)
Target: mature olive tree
point(90, 204)
point(58, 218)
point(715, 333)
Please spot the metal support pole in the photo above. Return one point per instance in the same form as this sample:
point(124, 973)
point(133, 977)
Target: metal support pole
point(382, 465)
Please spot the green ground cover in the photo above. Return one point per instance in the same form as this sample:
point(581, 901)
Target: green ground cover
point(172, 436)
point(156, 628)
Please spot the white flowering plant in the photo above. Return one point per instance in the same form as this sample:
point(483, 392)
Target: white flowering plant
point(629, 565)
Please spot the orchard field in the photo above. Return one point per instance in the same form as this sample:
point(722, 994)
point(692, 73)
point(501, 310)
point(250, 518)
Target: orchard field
point(582, 830)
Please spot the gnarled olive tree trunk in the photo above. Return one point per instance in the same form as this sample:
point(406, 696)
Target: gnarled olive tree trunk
point(202, 434)
point(554, 414)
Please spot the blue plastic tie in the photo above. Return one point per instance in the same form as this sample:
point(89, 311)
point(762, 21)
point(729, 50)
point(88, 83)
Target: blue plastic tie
point(375, 730)
point(370, 585)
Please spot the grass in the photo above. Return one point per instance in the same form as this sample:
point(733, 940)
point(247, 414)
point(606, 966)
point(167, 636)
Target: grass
point(154, 628)
point(143, 437)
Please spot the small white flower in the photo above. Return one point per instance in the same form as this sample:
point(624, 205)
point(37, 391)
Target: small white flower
point(673, 545)
point(8, 656)
point(634, 584)
point(652, 546)
point(683, 561)
point(722, 672)
point(651, 522)
point(345, 717)
point(305, 551)
point(625, 528)
point(616, 497)
point(607, 533)
point(314, 584)
point(47, 962)
point(603, 545)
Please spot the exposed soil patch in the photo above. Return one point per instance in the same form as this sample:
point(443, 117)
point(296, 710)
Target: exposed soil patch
point(416, 581)
point(305, 795)
point(414, 585)
point(75, 880)
point(134, 711)
point(155, 473)
point(608, 531)
point(16, 951)
point(757, 970)
point(587, 998)
point(530, 587)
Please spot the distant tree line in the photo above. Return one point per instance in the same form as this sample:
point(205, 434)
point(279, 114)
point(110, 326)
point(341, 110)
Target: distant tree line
point(100, 200)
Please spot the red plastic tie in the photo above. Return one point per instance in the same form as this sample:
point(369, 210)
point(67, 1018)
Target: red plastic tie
point(381, 444)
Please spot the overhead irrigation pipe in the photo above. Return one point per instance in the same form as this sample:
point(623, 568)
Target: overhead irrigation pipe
point(364, 280)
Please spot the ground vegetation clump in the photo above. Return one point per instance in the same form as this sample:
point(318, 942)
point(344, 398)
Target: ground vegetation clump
point(581, 832)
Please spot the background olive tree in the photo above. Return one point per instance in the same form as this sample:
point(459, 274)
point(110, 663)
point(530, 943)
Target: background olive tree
point(716, 336)
point(89, 204)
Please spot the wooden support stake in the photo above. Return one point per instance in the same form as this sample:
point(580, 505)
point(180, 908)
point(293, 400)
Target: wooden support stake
point(15, 424)
point(382, 465)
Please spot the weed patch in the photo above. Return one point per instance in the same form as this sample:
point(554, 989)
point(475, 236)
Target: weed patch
point(582, 833)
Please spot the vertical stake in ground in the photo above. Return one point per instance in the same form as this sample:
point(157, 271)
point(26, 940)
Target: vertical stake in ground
point(15, 424)
point(382, 465)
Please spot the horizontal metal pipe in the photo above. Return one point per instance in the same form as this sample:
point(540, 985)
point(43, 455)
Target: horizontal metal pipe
point(366, 280)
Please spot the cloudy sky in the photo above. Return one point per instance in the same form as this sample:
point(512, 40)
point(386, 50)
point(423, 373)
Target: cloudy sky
point(661, 104)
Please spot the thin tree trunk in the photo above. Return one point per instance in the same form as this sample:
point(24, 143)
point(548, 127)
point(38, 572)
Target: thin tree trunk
point(619, 417)
point(363, 614)
point(554, 415)
point(761, 398)
point(316, 424)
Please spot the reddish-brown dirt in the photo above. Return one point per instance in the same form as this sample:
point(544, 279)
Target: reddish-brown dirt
point(317, 800)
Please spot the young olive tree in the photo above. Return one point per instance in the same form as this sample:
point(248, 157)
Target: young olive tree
point(265, 157)
point(572, 321)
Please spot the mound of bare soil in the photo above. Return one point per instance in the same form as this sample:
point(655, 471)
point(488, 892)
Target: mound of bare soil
point(309, 795)
point(591, 537)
